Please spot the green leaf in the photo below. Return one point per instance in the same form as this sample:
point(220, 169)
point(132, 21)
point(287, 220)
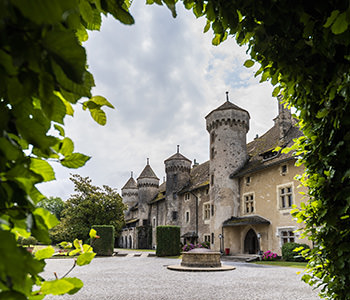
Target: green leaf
point(216, 40)
point(322, 113)
point(57, 287)
point(59, 129)
point(99, 116)
point(101, 101)
point(171, 5)
point(12, 295)
point(47, 218)
point(341, 24)
point(44, 253)
point(75, 160)
point(207, 27)
point(67, 146)
point(78, 284)
point(331, 18)
point(65, 50)
point(92, 233)
point(85, 258)
point(43, 168)
point(249, 63)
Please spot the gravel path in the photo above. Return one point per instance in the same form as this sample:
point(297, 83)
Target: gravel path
point(129, 278)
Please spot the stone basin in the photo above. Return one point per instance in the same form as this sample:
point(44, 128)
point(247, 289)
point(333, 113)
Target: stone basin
point(201, 258)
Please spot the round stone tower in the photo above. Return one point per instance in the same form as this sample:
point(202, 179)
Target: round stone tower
point(130, 192)
point(228, 126)
point(177, 169)
point(147, 184)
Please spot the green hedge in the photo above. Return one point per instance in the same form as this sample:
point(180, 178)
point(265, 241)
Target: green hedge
point(289, 255)
point(168, 241)
point(105, 244)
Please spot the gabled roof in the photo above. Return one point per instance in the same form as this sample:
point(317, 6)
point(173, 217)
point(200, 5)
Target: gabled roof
point(267, 143)
point(227, 105)
point(161, 194)
point(130, 184)
point(147, 173)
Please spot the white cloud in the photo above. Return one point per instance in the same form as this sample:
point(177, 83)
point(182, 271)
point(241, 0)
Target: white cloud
point(163, 76)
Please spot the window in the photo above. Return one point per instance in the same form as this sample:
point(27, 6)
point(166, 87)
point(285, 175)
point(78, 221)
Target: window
point(212, 210)
point(206, 212)
point(212, 137)
point(286, 196)
point(206, 238)
point(284, 169)
point(207, 191)
point(175, 179)
point(287, 236)
point(212, 153)
point(212, 179)
point(247, 180)
point(174, 215)
point(212, 237)
point(187, 216)
point(154, 222)
point(248, 203)
point(187, 196)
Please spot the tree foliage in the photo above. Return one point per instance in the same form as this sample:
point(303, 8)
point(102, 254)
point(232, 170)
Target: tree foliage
point(303, 50)
point(91, 205)
point(43, 75)
point(54, 205)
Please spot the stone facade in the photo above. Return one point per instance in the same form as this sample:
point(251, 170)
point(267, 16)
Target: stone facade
point(240, 199)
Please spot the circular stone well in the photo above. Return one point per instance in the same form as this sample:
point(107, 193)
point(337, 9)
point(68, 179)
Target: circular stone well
point(201, 260)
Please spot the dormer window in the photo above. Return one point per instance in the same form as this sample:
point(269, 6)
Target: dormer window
point(269, 154)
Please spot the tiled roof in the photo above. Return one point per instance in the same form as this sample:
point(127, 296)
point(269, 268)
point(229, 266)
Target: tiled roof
point(147, 173)
point(199, 177)
point(161, 194)
point(264, 144)
point(131, 184)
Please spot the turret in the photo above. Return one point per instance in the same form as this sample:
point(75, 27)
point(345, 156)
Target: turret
point(130, 192)
point(147, 184)
point(227, 126)
point(177, 169)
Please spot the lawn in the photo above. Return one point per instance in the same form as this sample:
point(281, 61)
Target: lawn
point(281, 263)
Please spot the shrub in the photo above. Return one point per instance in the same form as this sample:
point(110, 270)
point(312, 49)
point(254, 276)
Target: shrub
point(289, 254)
point(168, 241)
point(190, 246)
point(104, 245)
point(269, 255)
point(31, 240)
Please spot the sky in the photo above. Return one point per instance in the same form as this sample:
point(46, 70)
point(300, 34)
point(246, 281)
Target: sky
point(163, 77)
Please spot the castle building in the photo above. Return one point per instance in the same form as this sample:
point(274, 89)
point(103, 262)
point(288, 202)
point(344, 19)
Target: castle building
point(240, 199)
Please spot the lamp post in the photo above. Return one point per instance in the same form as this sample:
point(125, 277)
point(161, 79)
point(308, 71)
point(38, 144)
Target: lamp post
point(259, 239)
point(221, 237)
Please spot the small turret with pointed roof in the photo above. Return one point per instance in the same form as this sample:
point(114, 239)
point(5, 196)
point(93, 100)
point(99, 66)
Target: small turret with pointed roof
point(130, 192)
point(177, 169)
point(148, 184)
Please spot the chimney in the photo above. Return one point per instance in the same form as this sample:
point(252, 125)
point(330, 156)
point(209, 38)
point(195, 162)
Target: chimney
point(284, 120)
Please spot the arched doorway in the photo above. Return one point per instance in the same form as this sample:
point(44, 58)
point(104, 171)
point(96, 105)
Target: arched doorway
point(251, 243)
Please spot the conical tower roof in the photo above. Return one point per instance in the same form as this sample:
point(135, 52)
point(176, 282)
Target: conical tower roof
point(177, 156)
point(226, 106)
point(148, 172)
point(131, 184)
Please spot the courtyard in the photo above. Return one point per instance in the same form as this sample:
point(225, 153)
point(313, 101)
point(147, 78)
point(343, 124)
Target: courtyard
point(143, 277)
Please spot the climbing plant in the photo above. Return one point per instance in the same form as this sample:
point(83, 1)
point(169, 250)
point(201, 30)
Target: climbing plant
point(302, 48)
point(43, 77)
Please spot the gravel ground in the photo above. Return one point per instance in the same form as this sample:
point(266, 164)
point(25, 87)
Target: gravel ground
point(129, 278)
